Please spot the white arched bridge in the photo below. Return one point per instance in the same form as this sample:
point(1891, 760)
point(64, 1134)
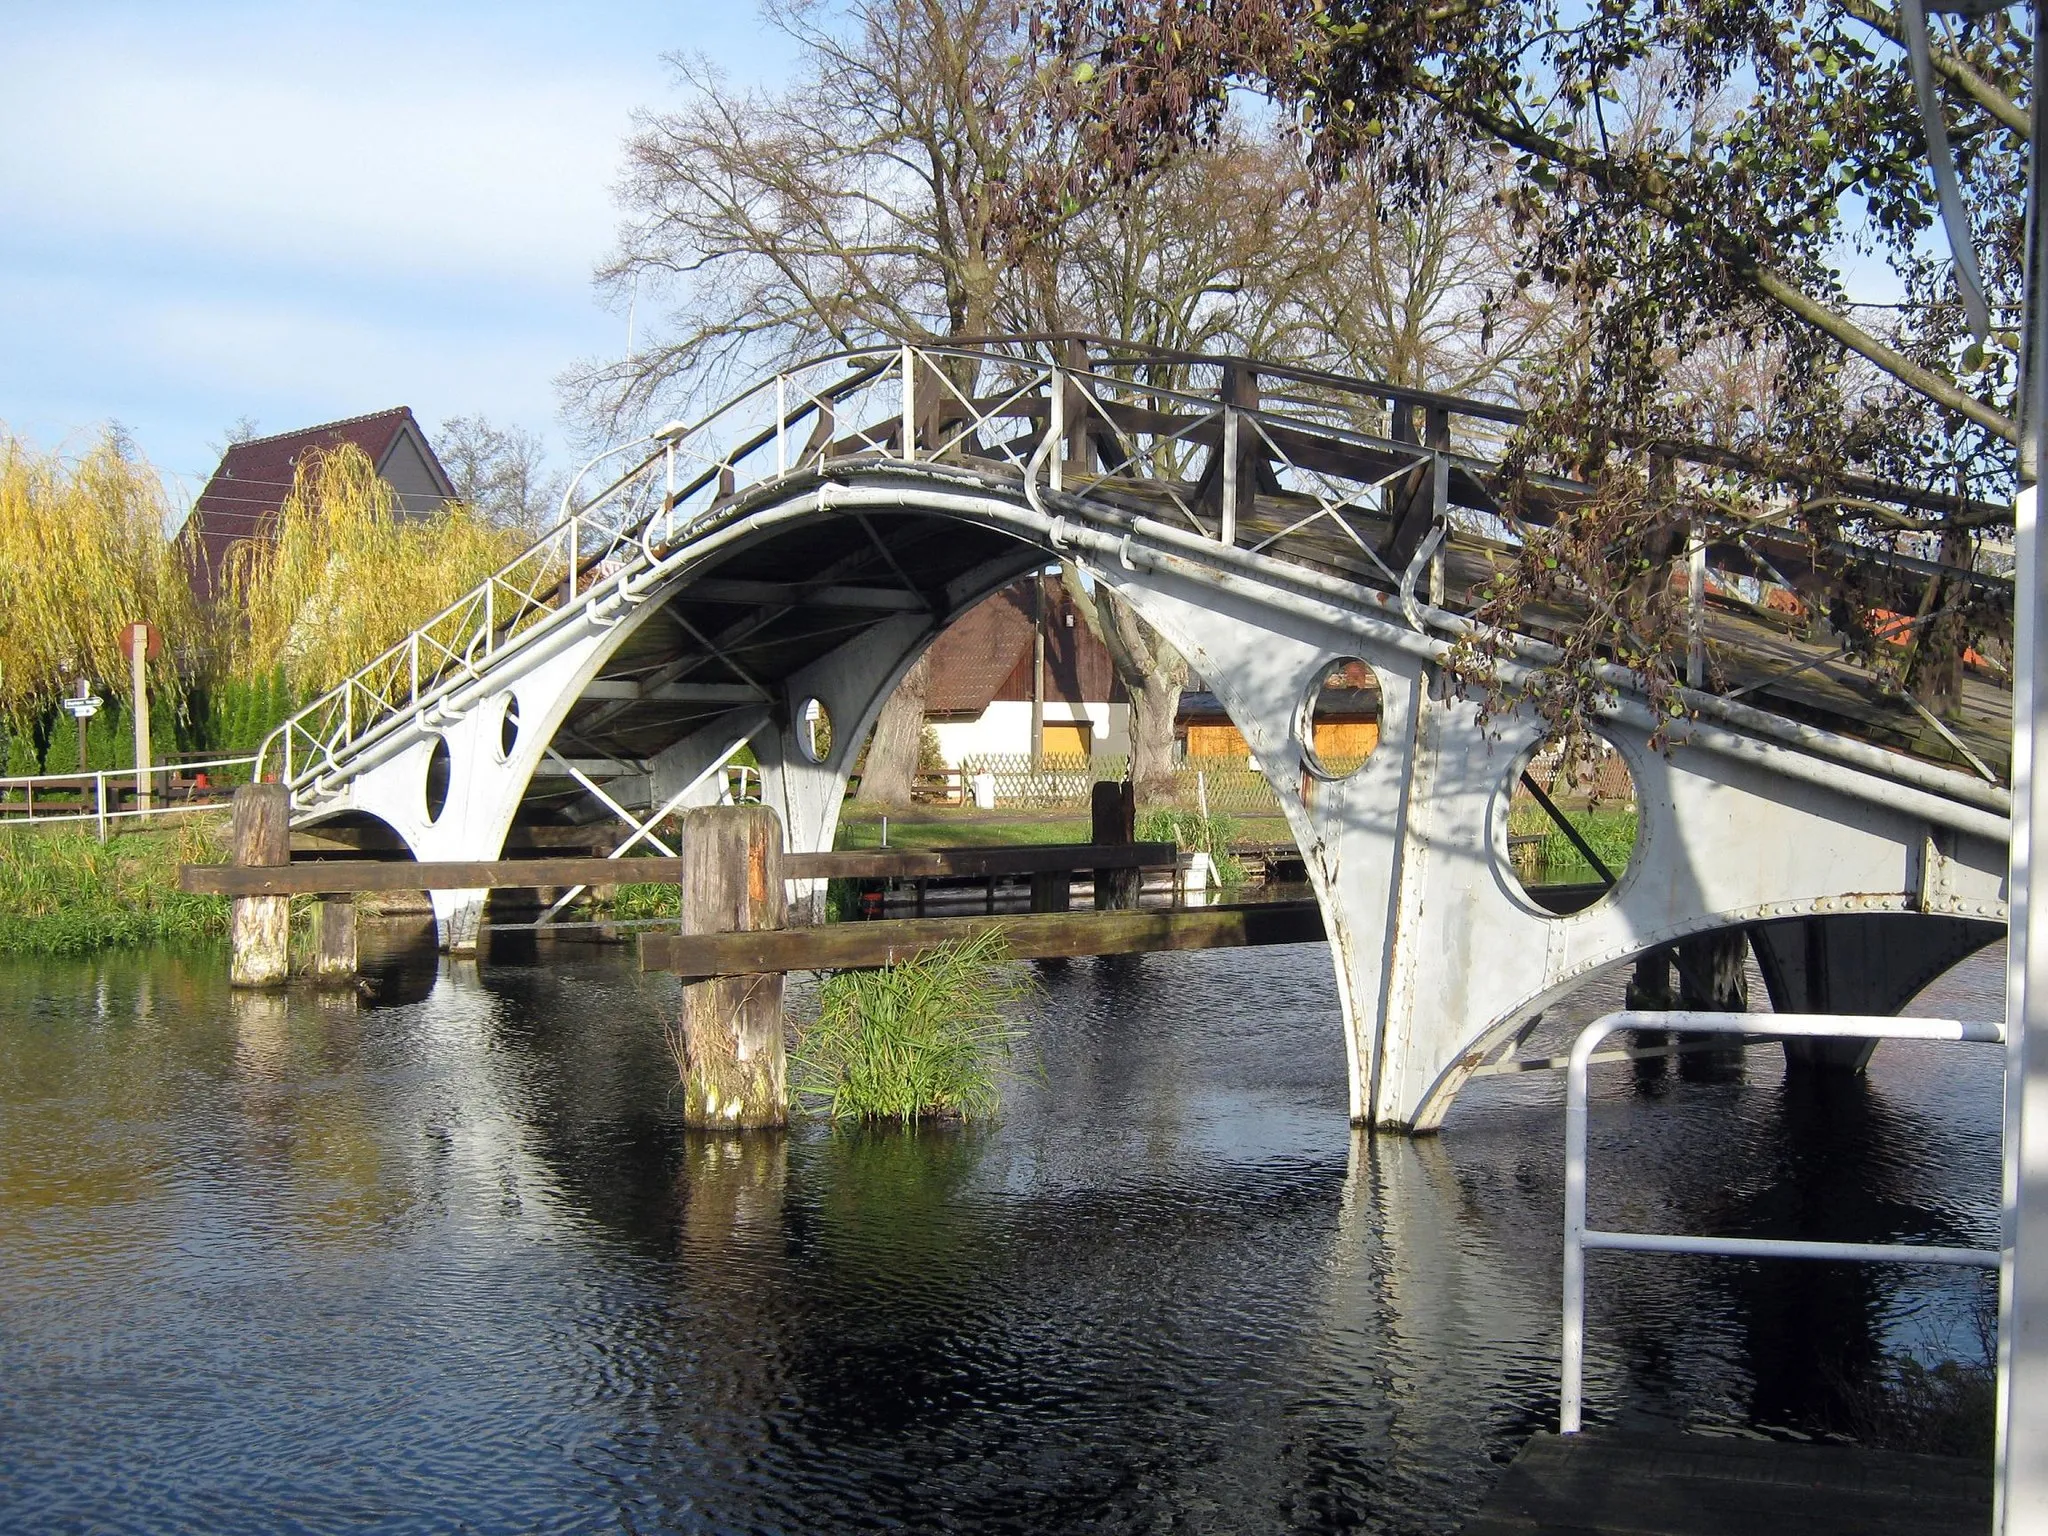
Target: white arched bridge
point(807, 541)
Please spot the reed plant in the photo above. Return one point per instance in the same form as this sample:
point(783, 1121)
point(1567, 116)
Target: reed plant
point(929, 1038)
point(1210, 834)
point(62, 892)
point(1609, 829)
point(348, 574)
point(644, 900)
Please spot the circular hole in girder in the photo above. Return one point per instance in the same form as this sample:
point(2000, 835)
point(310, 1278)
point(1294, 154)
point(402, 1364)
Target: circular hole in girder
point(1340, 718)
point(1573, 822)
point(814, 730)
point(508, 728)
point(439, 765)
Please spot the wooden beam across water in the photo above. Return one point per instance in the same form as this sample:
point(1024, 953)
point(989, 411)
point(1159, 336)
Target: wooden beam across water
point(342, 876)
point(1029, 935)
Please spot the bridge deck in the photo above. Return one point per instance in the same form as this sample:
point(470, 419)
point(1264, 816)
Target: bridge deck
point(1792, 672)
point(1612, 1481)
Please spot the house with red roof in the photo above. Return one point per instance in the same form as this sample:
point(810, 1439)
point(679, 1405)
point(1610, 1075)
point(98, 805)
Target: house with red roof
point(985, 668)
point(242, 499)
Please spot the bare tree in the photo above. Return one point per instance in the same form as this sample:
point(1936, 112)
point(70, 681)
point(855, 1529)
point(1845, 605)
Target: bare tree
point(868, 200)
point(880, 196)
point(500, 471)
point(1238, 249)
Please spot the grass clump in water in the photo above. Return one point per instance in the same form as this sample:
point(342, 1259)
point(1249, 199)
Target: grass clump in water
point(64, 893)
point(930, 1038)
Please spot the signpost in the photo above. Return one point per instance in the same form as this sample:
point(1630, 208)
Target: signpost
point(143, 644)
point(83, 705)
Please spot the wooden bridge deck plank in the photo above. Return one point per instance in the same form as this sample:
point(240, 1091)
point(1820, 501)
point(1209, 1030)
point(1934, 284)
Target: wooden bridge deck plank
point(1617, 1483)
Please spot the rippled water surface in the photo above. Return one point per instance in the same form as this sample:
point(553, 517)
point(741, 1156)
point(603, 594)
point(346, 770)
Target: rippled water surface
point(449, 1263)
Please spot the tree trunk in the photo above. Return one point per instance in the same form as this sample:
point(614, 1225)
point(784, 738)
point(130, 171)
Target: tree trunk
point(1152, 673)
point(1936, 673)
point(891, 764)
point(1154, 703)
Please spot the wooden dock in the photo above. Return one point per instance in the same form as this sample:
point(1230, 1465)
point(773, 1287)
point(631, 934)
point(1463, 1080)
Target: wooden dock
point(1606, 1482)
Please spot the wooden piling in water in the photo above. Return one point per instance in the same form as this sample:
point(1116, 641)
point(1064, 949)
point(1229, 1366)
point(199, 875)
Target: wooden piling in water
point(730, 1055)
point(334, 940)
point(1712, 979)
point(260, 926)
point(1052, 891)
point(1114, 810)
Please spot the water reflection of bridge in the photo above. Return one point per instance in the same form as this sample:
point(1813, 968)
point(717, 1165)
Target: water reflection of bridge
point(787, 559)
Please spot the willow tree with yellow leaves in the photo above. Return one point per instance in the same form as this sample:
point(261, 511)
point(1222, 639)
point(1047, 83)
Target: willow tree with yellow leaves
point(84, 549)
point(347, 573)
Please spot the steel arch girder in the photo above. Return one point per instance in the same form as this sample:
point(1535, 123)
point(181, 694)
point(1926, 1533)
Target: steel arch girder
point(1408, 856)
point(1439, 953)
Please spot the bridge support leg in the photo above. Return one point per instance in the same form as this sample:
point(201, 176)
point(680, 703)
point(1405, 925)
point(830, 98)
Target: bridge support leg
point(728, 1043)
point(1865, 962)
point(1649, 990)
point(851, 684)
point(260, 926)
point(1712, 979)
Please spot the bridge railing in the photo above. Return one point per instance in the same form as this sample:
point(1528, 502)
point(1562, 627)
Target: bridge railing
point(1191, 440)
point(1579, 1238)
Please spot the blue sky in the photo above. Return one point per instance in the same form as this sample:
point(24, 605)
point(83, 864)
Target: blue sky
point(297, 212)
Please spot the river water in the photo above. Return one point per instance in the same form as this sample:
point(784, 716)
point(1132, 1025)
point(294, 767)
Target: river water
point(447, 1263)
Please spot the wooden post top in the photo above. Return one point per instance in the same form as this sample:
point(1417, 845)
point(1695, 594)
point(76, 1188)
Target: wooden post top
point(262, 835)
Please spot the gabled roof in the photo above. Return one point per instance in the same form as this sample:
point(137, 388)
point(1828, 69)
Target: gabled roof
point(249, 486)
point(986, 655)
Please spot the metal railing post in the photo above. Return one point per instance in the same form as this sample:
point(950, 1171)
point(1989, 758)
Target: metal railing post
point(668, 499)
point(1571, 1390)
point(1227, 531)
point(99, 802)
point(1578, 1238)
point(1696, 609)
point(1058, 427)
point(909, 406)
point(781, 424)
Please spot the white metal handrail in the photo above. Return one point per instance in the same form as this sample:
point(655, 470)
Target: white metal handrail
point(96, 781)
point(609, 551)
point(1578, 1237)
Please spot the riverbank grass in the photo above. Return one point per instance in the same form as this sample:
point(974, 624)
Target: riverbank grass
point(62, 892)
point(931, 1038)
